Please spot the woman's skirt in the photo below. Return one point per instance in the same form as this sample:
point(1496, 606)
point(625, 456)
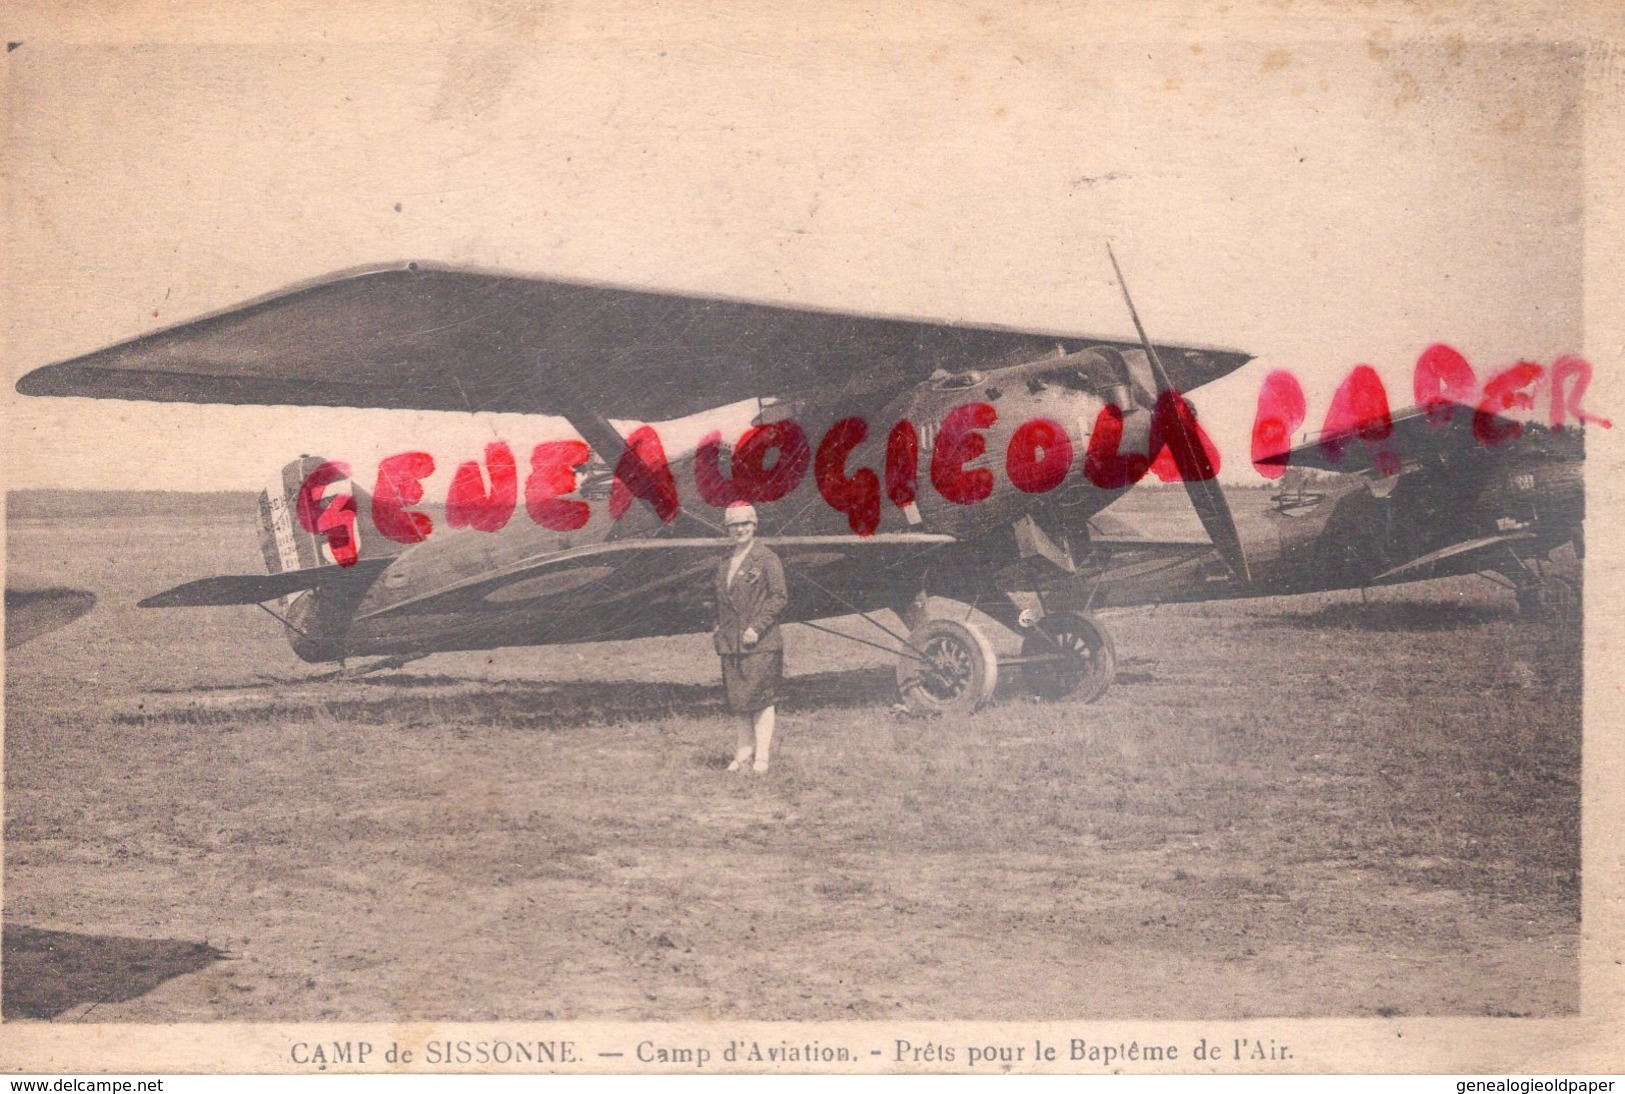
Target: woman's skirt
point(752, 679)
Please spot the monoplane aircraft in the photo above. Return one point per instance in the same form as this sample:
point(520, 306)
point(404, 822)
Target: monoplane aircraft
point(1452, 506)
point(892, 459)
point(620, 536)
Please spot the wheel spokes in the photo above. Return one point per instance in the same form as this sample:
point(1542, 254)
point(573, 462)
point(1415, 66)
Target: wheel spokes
point(949, 668)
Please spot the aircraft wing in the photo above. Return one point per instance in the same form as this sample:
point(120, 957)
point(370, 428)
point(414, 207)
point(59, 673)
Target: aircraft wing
point(35, 607)
point(421, 337)
point(1469, 556)
point(1413, 436)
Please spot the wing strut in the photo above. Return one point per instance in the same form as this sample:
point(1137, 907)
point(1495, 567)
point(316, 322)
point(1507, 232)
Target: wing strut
point(595, 429)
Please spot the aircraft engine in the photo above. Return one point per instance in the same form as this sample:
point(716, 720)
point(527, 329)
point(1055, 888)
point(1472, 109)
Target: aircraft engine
point(995, 445)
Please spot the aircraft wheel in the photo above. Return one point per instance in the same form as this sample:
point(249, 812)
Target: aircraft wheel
point(955, 671)
point(1091, 660)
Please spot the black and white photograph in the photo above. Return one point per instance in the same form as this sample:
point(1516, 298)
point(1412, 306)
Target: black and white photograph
point(620, 537)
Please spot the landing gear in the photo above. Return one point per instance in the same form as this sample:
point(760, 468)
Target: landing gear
point(1543, 595)
point(1068, 654)
point(1553, 599)
point(949, 668)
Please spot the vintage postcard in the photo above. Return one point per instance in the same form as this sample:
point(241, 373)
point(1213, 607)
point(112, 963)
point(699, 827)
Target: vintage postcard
point(781, 538)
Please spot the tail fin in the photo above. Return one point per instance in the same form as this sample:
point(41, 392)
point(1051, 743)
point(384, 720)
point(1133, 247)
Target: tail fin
point(315, 617)
point(286, 541)
point(315, 594)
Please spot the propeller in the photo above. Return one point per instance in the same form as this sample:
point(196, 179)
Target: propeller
point(1201, 483)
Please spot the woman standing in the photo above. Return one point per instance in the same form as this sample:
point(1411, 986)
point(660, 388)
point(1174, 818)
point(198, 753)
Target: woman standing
point(750, 596)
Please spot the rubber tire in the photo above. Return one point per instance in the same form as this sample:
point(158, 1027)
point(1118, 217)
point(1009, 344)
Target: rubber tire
point(1077, 633)
point(971, 657)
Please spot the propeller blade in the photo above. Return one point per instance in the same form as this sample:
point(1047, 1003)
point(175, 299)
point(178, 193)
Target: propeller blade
point(1201, 484)
point(1208, 501)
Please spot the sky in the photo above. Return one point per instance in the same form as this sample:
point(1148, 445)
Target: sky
point(1321, 196)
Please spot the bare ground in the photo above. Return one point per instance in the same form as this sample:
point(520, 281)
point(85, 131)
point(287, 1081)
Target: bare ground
point(1306, 807)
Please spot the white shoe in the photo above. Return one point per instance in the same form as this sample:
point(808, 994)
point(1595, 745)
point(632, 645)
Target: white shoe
point(740, 762)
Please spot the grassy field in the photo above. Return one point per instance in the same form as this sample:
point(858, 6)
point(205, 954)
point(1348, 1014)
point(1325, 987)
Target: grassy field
point(1303, 807)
